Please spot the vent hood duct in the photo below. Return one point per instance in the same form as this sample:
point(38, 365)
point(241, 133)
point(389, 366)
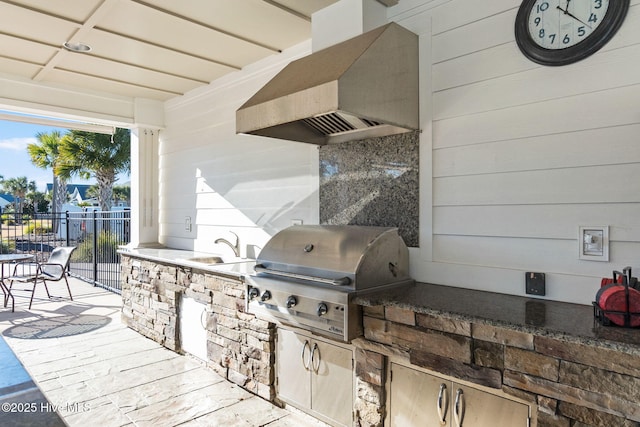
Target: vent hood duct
point(361, 88)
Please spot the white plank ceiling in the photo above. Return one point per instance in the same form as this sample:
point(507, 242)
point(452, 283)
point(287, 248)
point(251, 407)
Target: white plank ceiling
point(155, 49)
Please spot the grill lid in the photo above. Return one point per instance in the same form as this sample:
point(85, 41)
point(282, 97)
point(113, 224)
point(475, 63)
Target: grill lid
point(351, 256)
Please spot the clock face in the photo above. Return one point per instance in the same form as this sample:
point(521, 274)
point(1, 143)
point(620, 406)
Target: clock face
point(559, 32)
point(559, 24)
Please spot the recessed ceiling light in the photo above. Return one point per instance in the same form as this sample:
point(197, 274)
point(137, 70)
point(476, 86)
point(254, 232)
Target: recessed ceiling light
point(76, 47)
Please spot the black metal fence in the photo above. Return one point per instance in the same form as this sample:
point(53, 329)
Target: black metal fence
point(96, 234)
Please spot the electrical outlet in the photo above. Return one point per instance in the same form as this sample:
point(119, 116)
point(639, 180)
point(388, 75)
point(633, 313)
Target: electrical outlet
point(535, 284)
point(187, 223)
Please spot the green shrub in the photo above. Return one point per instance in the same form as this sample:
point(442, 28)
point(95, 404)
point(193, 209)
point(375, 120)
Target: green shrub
point(107, 247)
point(84, 252)
point(7, 247)
point(8, 219)
point(38, 228)
point(11, 218)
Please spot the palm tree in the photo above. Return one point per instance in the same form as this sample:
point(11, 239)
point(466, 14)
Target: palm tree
point(46, 154)
point(39, 204)
point(18, 187)
point(121, 193)
point(101, 156)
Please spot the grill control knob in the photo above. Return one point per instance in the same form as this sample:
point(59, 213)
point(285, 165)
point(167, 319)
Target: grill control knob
point(291, 301)
point(322, 309)
point(266, 295)
point(254, 293)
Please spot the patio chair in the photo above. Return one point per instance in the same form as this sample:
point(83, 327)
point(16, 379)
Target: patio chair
point(54, 270)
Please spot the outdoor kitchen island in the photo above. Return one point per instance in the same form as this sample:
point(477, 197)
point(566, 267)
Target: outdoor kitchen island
point(571, 370)
point(156, 284)
point(548, 356)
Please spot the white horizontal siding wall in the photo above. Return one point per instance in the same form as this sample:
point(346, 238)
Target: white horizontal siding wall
point(514, 156)
point(225, 182)
point(520, 155)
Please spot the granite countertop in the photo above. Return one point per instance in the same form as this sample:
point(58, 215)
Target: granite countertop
point(233, 267)
point(571, 322)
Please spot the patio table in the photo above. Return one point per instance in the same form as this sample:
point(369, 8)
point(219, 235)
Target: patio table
point(6, 259)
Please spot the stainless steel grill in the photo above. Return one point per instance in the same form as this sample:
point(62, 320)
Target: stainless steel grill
point(307, 275)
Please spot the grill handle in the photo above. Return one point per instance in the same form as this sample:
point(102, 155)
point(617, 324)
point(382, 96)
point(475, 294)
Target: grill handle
point(343, 281)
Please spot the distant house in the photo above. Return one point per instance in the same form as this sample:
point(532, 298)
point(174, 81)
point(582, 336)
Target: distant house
point(78, 195)
point(5, 199)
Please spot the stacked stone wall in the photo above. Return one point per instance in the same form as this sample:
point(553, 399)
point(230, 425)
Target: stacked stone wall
point(240, 347)
point(567, 382)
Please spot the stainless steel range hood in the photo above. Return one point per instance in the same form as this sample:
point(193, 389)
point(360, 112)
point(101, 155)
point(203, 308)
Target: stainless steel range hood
point(363, 87)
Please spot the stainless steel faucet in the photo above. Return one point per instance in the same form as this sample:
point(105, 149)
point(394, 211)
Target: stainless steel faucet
point(236, 247)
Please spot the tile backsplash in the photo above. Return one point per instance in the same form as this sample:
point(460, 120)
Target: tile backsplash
point(372, 182)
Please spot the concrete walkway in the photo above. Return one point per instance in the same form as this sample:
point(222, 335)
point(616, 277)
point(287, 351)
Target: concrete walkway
point(94, 371)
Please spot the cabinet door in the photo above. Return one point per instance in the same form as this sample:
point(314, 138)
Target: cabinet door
point(479, 409)
point(415, 396)
point(293, 352)
point(332, 382)
point(193, 333)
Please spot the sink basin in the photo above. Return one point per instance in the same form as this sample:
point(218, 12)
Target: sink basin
point(207, 259)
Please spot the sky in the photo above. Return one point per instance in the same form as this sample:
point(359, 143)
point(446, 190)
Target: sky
point(15, 161)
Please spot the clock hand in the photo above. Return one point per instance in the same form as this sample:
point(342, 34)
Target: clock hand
point(578, 19)
point(566, 8)
point(566, 12)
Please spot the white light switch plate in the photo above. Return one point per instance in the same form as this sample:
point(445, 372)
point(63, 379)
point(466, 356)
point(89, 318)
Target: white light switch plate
point(593, 243)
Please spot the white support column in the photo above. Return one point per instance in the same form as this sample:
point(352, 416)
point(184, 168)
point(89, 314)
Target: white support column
point(144, 187)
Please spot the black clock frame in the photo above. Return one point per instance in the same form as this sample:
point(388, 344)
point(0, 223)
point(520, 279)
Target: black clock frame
point(612, 21)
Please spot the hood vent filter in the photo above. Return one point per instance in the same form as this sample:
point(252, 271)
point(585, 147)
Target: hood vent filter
point(334, 123)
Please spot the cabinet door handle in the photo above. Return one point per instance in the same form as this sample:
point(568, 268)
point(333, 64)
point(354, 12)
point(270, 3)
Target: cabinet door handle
point(203, 318)
point(304, 347)
point(313, 358)
point(458, 410)
point(443, 404)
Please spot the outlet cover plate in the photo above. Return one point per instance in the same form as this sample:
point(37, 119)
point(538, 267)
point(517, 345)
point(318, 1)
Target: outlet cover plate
point(535, 284)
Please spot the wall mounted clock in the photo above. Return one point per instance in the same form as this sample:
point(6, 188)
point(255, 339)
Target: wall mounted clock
point(559, 32)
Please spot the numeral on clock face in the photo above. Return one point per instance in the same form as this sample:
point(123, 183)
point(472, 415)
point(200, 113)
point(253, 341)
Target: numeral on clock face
point(558, 24)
